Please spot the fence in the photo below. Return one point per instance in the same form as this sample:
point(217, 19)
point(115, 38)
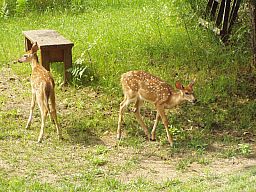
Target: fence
point(224, 14)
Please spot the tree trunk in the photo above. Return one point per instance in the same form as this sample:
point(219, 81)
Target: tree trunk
point(253, 21)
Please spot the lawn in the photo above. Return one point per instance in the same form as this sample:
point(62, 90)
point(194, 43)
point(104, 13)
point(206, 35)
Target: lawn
point(214, 146)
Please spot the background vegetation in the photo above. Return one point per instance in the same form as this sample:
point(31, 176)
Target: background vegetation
point(111, 37)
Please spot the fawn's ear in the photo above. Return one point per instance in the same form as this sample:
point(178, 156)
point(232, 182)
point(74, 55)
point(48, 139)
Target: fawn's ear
point(34, 48)
point(191, 84)
point(179, 85)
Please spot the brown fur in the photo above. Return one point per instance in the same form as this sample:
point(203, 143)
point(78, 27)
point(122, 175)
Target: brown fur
point(42, 84)
point(139, 86)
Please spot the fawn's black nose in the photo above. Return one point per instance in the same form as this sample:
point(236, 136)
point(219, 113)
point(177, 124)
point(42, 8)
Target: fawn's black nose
point(194, 101)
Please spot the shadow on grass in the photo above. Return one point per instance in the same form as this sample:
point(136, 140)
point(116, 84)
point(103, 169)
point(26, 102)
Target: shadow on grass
point(79, 133)
point(246, 82)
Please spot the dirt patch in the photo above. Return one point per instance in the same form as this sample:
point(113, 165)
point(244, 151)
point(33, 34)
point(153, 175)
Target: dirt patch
point(160, 171)
point(152, 166)
point(10, 85)
point(151, 170)
point(5, 165)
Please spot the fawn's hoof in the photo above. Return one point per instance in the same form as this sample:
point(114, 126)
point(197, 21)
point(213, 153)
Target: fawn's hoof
point(118, 137)
point(61, 138)
point(27, 126)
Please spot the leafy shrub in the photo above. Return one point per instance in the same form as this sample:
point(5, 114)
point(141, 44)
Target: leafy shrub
point(198, 5)
point(43, 5)
point(21, 7)
point(7, 8)
point(244, 149)
point(4, 12)
point(81, 73)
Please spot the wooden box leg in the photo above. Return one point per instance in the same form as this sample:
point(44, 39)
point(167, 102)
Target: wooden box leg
point(67, 64)
point(28, 44)
point(45, 59)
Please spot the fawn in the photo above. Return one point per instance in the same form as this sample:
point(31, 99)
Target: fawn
point(42, 84)
point(139, 86)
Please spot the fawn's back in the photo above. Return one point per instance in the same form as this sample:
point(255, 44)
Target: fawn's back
point(145, 86)
point(42, 80)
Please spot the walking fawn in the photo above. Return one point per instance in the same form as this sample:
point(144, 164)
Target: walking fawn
point(42, 90)
point(139, 86)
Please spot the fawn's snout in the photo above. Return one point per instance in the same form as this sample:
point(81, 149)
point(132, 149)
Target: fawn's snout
point(25, 58)
point(194, 101)
point(21, 60)
point(191, 98)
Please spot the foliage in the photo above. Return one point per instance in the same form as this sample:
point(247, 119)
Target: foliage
point(245, 149)
point(21, 7)
point(81, 73)
point(75, 6)
point(4, 11)
point(198, 5)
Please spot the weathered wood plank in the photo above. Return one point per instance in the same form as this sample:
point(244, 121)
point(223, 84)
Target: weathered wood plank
point(46, 38)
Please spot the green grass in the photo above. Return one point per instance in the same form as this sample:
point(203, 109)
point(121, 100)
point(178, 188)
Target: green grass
point(244, 181)
point(112, 37)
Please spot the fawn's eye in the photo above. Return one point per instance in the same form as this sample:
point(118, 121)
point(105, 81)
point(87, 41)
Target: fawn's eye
point(186, 93)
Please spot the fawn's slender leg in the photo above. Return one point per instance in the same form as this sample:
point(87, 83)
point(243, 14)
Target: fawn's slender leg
point(165, 122)
point(139, 119)
point(153, 132)
point(44, 110)
point(43, 117)
point(33, 101)
point(123, 105)
point(53, 115)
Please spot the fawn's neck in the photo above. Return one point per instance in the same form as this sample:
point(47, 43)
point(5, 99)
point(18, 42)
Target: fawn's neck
point(175, 99)
point(34, 62)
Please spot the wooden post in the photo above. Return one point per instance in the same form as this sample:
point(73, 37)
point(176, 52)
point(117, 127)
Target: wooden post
point(214, 8)
point(28, 44)
point(208, 7)
point(211, 7)
point(220, 14)
point(45, 59)
point(224, 31)
point(234, 12)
